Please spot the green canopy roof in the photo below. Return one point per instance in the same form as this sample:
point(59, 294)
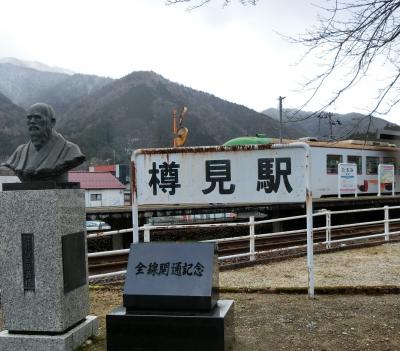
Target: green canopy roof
point(248, 140)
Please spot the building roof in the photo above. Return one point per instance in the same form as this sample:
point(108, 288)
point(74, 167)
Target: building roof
point(95, 180)
point(104, 168)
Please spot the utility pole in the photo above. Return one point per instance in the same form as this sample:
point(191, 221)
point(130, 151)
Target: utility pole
point(331, 123)
point(280, 117)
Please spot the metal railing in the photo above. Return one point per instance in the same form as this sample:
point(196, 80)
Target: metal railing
point(252, 237)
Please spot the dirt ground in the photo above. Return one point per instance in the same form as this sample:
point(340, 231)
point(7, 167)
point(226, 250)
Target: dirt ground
point(277, 322)
point(273, 322)
point(269, 322)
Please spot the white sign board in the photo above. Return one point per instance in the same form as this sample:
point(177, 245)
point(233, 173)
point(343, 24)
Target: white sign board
point(347, 178)
point(203, 175)
point(385, 176)
point(250, 174)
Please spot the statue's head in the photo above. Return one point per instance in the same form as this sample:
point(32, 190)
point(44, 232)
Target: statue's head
point(41, 120)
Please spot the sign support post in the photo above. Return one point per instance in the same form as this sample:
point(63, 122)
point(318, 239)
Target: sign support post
point(309, 212)
point(135, 214)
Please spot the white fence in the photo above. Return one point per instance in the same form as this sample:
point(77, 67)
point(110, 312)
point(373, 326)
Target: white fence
point(252, 237)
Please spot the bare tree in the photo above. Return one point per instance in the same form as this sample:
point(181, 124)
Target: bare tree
point(199, 3)
point(351, 39)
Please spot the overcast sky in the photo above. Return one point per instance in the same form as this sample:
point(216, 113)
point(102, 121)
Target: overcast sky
point(232, 52)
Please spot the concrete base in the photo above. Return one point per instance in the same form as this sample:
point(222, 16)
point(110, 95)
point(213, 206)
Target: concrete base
point(162, 331)
point(68, 341)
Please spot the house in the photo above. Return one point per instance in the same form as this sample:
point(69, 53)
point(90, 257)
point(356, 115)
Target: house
point(119, 171)
point(101, 188)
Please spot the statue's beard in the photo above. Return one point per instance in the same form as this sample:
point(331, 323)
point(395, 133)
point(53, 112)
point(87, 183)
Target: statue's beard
point(39, 136)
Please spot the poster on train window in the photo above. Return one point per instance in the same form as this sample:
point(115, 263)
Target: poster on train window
point(220, 175)
point(385, 178)
point(347, 178)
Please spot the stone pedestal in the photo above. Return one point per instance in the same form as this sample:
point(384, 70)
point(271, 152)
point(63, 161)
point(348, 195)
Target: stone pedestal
point(69, 340)
point(43, 264)
point(171, 301)
point(194, 331)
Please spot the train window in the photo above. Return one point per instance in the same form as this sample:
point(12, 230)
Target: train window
point(357, 160)
point(372, 165)
point(332, 162)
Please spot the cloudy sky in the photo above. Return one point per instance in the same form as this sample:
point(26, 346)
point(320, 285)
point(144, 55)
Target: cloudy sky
point(234, 52)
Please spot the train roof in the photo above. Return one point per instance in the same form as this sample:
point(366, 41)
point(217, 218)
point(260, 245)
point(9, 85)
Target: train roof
point(261, 139)
point(354, 144)
point(343, 144)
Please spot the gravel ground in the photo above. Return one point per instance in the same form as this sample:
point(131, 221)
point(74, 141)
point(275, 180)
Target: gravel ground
point(373, 266)
point(277, 322)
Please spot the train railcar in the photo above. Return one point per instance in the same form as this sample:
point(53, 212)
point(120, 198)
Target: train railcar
point(326, 156)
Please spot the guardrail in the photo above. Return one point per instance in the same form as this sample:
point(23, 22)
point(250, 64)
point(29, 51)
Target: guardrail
point(251, 224)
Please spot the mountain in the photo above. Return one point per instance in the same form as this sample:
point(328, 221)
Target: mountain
point(12, 126)
point(338, 126)
point(70, 91)
point(21, 84)
point(26, 86)
point(35, 65)
point(135, 112)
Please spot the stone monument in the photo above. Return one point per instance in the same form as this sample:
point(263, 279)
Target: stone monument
point(170, 301)
point(43, 254)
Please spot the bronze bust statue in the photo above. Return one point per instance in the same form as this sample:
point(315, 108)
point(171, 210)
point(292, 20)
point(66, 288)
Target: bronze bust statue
point(47, 156)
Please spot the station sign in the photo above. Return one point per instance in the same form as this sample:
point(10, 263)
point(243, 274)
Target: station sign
point(347, 178)
point(385, 176)
point(219, 175)
point(386, 173)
